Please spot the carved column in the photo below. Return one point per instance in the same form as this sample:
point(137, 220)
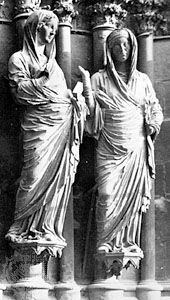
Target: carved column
point(67, 288)
point(148, 288)
point(22, 9)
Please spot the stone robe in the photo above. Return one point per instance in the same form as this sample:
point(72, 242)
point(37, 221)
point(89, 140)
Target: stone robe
point(52, 128)
point(125, 153)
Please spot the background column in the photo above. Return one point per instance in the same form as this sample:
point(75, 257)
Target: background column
point(148, 288)
point(67, 288)
point(22, 10)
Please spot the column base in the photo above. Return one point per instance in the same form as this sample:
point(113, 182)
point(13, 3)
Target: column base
point(109, 289)
point(149, 290)
point(67, 291)
point(29, 290)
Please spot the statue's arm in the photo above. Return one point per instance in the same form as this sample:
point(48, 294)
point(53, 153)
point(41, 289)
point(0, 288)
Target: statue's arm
point(26, 90)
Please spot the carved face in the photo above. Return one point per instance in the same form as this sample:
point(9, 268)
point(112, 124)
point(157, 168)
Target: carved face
point(120, 50)
point(46, 31)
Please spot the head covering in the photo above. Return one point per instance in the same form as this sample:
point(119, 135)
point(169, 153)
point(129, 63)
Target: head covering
point(30, 33)
point(110, 66)
point(116, 34)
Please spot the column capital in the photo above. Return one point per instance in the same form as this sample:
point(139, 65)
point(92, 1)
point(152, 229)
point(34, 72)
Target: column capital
point(65, 11)
point(6, 8)
point(25, 7)
point(147, 16)
point(106, 13)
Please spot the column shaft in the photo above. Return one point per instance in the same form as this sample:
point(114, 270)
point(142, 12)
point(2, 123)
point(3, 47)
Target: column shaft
point(67, 289)
point(100, 34)
point(145, 56)
point(64, 50)
point(148, 288)
point(145, 64)
point(67, 259)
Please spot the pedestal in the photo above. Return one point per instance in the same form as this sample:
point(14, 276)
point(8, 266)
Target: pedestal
point(108, 267)
point(27, 271)
point(111, 264)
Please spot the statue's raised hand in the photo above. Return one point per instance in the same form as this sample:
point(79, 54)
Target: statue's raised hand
point(84, 73)
point(87, 88)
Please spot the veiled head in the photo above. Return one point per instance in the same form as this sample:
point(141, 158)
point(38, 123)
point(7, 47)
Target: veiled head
point(38, 20)
point(40, 28)
point(46, 30)
point(121, 46)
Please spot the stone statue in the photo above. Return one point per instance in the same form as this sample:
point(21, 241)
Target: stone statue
point(125, 119)
point(52, 127)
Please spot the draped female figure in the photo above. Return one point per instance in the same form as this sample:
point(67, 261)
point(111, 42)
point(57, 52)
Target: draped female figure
point(52, 127)
point(125, 121)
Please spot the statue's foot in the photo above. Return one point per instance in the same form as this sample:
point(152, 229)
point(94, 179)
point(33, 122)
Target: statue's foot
point(104, 248)
point(11, 237)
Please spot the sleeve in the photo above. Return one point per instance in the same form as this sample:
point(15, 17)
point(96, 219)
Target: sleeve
point(95, 82)
point(153, 110)
point(95, 124)
point(26, 90)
